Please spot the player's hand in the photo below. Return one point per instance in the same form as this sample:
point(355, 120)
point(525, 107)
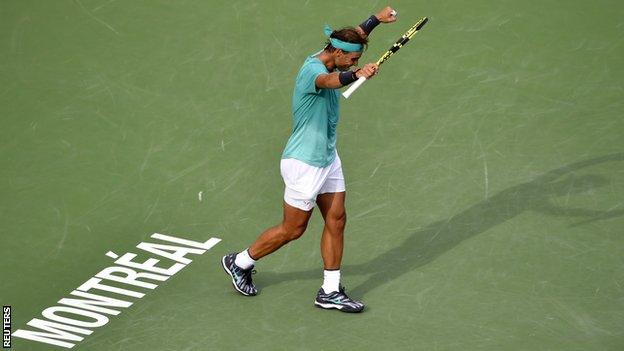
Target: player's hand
point(386, 15)
point(369, 70)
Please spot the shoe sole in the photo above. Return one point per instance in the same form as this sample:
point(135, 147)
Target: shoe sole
point(232, 276)
point(329, 306)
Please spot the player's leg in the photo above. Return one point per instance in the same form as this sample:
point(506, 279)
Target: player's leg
point(332, 294)
point(302, 183)
point(331, 203)
point(293, 225)
point(333, 210)
point(239, 265)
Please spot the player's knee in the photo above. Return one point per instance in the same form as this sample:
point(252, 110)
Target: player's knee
point(293, 232)
point(337, 222)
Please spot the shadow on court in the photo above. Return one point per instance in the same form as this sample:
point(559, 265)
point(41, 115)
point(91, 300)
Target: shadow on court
point(436, 238)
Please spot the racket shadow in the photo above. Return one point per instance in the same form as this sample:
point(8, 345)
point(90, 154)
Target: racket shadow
point(424, 245)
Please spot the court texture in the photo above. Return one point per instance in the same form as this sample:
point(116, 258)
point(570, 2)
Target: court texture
point(484, 169)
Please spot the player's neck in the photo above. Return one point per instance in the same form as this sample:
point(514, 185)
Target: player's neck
point(327, 58)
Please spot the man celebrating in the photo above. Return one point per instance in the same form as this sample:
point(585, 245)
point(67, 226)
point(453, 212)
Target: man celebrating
point(310, 165)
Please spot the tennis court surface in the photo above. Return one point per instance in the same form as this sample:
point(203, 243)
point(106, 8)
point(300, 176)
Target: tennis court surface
point(484, 169)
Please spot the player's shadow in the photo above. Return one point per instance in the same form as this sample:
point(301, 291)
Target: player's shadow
point(426, 244)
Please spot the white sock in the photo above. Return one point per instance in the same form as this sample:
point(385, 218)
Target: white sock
point(331, 280)
point(243, 260)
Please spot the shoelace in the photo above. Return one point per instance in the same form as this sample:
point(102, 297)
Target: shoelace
point(342, 290)
point(247, 274)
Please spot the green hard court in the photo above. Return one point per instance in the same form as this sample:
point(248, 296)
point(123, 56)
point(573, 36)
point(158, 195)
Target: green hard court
point(484, 169)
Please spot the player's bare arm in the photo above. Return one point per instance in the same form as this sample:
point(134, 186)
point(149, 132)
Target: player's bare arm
point(332, 80)
point(385, 15)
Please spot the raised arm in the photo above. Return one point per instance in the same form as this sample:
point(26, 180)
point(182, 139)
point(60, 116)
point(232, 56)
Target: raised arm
point(385, 15)
point(342, 60)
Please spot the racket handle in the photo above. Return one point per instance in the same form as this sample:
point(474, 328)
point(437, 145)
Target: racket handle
point(353, 87)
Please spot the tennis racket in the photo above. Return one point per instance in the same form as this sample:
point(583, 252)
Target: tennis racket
point(395, 47)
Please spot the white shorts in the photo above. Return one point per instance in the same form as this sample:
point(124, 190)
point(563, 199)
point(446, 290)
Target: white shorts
point(304, 182)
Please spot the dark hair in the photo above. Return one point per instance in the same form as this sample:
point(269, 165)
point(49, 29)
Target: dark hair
point(348, 34)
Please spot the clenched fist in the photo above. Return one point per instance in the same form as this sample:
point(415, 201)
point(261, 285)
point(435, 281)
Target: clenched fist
point(369, 70)
point(386, 15)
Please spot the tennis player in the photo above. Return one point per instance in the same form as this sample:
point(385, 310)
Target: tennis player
point(310, 165)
